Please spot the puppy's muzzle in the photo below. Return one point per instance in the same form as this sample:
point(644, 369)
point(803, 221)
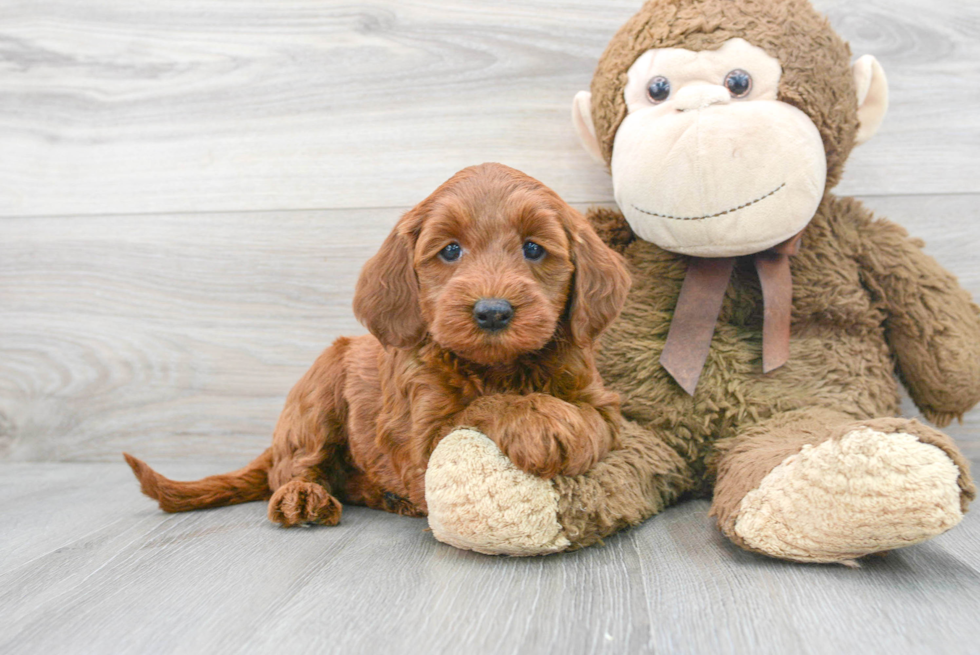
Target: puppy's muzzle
point(492, 314)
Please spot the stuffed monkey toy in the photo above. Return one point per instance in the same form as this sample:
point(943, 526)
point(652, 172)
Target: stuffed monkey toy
point(757, 353)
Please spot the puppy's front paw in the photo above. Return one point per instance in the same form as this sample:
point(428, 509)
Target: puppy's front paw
point(538, 448)
point(298, 502)
point(545, 436)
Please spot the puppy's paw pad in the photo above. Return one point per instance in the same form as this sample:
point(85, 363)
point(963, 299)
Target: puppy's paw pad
point(845, 498)
point(479, 500)
point(298, 502)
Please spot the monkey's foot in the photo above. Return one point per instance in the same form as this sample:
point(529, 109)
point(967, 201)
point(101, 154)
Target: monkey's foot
point(478, 500)
point(865, 492)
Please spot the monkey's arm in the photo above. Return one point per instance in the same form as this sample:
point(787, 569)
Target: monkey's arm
point(611, 227)
point(933, 328)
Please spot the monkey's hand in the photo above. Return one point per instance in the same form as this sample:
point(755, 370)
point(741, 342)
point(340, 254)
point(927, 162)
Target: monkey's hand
point(933, 328)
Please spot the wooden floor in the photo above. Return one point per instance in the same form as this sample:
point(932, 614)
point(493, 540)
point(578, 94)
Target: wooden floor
point(188, 189)
point(90, 567)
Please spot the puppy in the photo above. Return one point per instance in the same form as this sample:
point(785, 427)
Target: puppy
point(484, 304)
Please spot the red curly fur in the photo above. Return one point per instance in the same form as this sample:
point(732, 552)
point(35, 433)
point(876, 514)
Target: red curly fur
point(360, 425)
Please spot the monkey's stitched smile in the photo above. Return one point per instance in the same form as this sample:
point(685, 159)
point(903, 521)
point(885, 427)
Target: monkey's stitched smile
point(701, 218)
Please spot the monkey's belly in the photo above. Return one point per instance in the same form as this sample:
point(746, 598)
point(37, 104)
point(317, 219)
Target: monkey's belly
point(850, 373)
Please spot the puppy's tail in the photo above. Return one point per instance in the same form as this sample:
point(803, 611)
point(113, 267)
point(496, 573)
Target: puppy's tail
point(241, 486)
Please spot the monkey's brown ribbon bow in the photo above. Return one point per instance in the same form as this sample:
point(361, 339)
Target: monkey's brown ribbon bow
point(699, 305)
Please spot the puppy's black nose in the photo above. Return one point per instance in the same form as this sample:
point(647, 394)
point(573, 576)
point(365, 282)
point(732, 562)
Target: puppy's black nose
point(492, 314)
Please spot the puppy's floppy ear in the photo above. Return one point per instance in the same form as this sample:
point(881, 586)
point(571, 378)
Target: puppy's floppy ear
point(387, 297)
point(601, 282)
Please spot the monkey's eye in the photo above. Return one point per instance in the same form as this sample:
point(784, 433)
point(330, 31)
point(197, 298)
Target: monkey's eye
point(451, 252)
point(738, 83)
point(533, 251)
point(658, 89)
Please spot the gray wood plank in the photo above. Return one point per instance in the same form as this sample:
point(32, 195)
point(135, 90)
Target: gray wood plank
point(179, 336)
point(133, 332)
point(118, 576)
point(232, 105)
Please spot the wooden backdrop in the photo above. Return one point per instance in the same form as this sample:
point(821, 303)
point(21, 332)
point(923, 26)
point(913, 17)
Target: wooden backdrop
point(188, 188)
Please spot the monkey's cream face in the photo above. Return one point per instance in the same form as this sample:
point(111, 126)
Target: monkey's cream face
point(708, 162)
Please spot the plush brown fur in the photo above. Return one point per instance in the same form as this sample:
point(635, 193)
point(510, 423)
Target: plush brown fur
point(360, 425)
point(867, 304)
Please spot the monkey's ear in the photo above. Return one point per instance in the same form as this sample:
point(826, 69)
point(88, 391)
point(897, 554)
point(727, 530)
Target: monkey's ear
point(872, 97)
point(387, 297)
point(584, 127)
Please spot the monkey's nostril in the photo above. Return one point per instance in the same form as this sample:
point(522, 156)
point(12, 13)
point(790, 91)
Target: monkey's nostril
point(492, 314)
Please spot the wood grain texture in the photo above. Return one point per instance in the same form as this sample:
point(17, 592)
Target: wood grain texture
point(115, 107)
point(91, 566)
point(179, 336)
point(162, 332)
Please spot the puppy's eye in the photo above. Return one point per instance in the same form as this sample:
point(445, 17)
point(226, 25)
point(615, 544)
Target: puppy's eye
point(658, 89)
point(533, 251)
point(738, 83)
point(451, 252)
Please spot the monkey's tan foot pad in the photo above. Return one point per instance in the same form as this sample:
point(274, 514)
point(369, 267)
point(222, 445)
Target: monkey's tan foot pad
point(478, 500)
point(845, 498)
